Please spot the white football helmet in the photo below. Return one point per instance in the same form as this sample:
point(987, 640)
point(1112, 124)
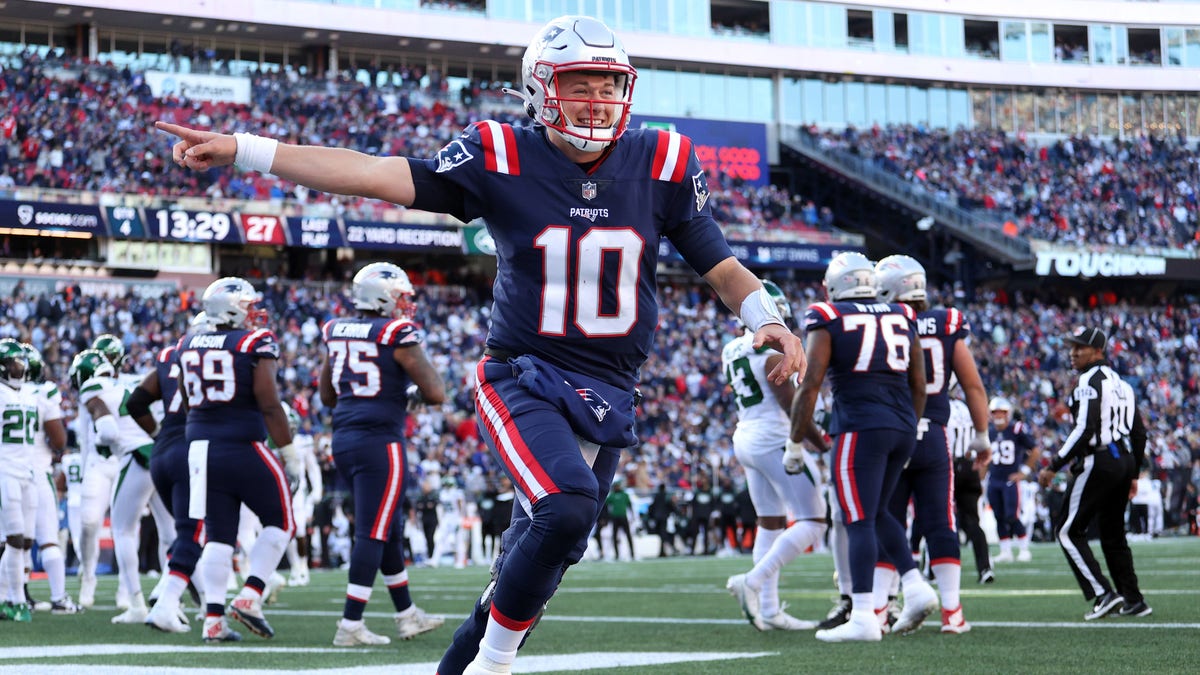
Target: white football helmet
point(1001, 410)
point(575, 43)
point(200, 323)
point(850, 276)
point(230, 301)
point(383, 287)
point(900, 279)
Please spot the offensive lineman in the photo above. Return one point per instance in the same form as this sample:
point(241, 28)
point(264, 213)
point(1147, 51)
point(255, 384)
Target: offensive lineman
point(760, 435)
point(371, 361)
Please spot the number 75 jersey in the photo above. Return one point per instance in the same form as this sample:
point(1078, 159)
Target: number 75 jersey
point(217, 370)
point(370, 385)
point(577, 247)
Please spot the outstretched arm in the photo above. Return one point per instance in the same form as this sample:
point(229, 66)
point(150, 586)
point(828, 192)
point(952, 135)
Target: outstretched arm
point(336, 170)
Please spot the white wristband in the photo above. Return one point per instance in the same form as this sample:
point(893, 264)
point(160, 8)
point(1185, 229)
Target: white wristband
point(255, 153)
point(758, 310)
point(1025, 470)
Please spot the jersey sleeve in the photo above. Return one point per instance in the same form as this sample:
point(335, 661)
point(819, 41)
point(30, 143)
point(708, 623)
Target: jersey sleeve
point(401, 333)
point(689, 222)
point(90, 390)
point(261, 344)
point(451, 182)
point(957, 326)
point(819, 315)
point(50, 404)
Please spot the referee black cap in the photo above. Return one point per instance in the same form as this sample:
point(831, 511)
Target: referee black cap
point(1088, 337)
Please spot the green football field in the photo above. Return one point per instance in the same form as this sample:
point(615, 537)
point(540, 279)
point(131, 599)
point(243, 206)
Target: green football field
point(668, 616)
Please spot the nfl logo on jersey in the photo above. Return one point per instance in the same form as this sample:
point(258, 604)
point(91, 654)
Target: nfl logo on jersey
point(589, 190)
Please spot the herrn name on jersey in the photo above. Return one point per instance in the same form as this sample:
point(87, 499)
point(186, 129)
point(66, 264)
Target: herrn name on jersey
point(370, 385)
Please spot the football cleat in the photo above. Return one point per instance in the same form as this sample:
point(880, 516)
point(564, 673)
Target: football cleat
point(1024, 556)
point(249, 612)
point(860, 627)
point(485, 666)
point(1104, 605)
point(919, 603)
point(132, 615)
point(271, 591)
point(747, 597)
point(65, 606)
point(87, 591)
point(414, 621)
point(1005, 556)
point(122, 599)
point(1139, 608)
point(783, 621)
point(953, 621)
point(22, 613)
point(359, 635)
point(987, 576)
point(217, 630)
point(837, 616)
point(299, 577)
point(166, 619)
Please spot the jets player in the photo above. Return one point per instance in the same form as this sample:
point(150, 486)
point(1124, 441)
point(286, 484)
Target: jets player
point(227, 376)
point(450, 537)
point(371, 361)
point(928, 479)
point(576, 203)
point(877, 372)
point(106, 402)
point(50, 438)
point(18, 496)
point(1015, 458)
point(307, 496)
point(100, 468)
point(169, 470)
point(760, 435)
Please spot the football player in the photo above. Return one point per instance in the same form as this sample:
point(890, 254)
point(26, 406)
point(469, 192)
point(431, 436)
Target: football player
point(227, 376)
point(372, 360)
point(105, 399)
point(877, 372)
point(576, 203)
point(18, 496)
point(1015, 458)
point(928, 479)
point(50, 438)
point(169, 471)
point(304, 502)
point(761, 432)
point(451, 536)
point(100, 468)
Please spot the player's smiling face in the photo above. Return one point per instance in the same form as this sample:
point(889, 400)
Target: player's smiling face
point(582, 94)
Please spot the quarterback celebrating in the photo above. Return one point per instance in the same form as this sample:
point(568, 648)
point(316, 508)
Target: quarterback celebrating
point(576, 203)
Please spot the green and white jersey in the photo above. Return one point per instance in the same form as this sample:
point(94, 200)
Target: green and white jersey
point(762, 419)
point(49, 402)
point(132, 438)
point(18, 425)
point(72, 468)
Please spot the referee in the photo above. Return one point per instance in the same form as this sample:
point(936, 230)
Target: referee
point(968, 486)
point(1105, 450)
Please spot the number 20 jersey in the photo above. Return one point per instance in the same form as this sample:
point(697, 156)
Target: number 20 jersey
point(577, 250)
point(868, 367)
point(370, 385)
point(217, 369)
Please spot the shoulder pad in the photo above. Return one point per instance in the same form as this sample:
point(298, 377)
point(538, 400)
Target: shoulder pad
point(325, 328)
point(260, 342)
point(819, 314)
point(956, 322)
point(164, 356)
point(401, 332)
point(671, 153)
point(493, 142)
point(908, 311)
point(91, 389)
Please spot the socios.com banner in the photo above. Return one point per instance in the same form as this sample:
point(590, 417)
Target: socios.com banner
point(199, 87)
point(771, 255)
point(52, 216)
point(734, 148)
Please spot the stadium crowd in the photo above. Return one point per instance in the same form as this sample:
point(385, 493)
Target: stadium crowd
point(687, 416)
point(1074, 191)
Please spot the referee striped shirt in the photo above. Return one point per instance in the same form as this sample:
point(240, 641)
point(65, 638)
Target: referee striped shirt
point(1106, 417)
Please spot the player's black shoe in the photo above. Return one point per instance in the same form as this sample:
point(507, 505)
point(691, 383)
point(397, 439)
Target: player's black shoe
point(837, 616)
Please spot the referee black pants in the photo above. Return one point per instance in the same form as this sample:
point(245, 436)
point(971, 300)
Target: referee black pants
point(1100, 491)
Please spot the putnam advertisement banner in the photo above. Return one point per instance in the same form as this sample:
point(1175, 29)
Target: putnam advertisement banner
point(734, 148)
point(402, 237)
point(314, 232)
point(199, 87)
point(772, 255)
point(52, 219)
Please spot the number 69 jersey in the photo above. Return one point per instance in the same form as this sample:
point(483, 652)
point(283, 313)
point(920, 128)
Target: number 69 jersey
point(868, 367)
point(576, 247)
point(217, 369)
point(370, 385)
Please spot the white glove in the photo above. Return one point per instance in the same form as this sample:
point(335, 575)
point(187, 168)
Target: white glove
point(795, 458)
point(979, 446)
point(415, 399)
point(292, 466)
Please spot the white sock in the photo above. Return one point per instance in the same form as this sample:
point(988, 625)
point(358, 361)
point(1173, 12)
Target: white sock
point(267, 552)
point(125, 547)
point(499, 643)
point(912, 580)
point(172, 588)
point(1023, 542)
point(56, 571)
point(213, 568)
point(293, 555)
point(12, 570)
point(862, 602)
point(1006, 545)
point(794, 541)
point(766, 583)
point(89, 549)
point(882, 586)
point(949, 578)
point(840, 543)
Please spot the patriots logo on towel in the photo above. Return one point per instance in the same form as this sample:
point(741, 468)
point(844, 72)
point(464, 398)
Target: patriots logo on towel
point(599, 406)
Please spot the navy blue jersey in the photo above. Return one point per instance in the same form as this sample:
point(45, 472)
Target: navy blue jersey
point(940, 331)
point(1010, 448)
point(218, 379)
point(370, 385)
point(868, 367)
point(576, 248)
point(174, 421)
